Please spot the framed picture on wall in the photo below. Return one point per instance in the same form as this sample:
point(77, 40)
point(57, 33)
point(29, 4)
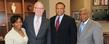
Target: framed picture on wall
point(101, 2)
point(75, 15)
point(96, 2)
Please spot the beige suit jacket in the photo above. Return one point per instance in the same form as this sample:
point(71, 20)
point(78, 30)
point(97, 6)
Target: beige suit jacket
point(92, 33)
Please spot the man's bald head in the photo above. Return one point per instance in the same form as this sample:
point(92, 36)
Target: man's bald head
point(39, 4)
point(38, 8)
point(85, 10)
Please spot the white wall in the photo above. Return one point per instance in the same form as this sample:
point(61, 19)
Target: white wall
point(105, 26)
point(88, 5)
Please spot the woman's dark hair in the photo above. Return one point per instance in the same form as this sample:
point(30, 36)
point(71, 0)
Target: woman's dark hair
point(14, 18)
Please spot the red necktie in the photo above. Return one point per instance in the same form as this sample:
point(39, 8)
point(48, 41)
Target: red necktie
point(57, 24)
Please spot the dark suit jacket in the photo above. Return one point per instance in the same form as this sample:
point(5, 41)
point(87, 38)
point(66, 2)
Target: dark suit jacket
point(67, 32)
point(41, 38)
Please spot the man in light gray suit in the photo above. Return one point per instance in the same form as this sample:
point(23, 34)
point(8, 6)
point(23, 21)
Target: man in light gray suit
point(37, 26)
point(89, 31)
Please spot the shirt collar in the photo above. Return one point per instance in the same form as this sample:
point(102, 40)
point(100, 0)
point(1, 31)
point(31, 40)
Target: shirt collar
point(60, 17)
point(39, 17)
point(86, 21)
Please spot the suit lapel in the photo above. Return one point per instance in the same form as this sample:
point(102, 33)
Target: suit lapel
point(79, 33)
point(87, 25)
point(86, 28)
point(54, 23)
point(32, 26)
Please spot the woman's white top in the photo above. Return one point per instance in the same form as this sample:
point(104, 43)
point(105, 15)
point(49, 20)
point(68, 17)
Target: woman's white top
point(13, 37)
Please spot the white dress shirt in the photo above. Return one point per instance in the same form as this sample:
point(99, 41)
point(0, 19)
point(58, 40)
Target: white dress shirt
point(60, 19)
point(13, 37)
point(37, 24)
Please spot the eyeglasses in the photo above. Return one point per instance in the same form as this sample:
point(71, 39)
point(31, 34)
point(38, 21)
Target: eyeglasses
point(38, 8)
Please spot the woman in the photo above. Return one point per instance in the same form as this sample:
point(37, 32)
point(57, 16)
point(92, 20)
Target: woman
point(17, 34)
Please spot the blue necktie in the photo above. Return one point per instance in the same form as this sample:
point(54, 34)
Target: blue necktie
point(81, 27)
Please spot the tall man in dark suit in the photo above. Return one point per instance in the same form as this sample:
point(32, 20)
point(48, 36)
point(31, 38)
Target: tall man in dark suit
point(37, 26)
point(63, 27)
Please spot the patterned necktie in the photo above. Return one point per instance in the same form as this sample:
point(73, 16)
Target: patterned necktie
point(57, 24)
point(81, 27)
